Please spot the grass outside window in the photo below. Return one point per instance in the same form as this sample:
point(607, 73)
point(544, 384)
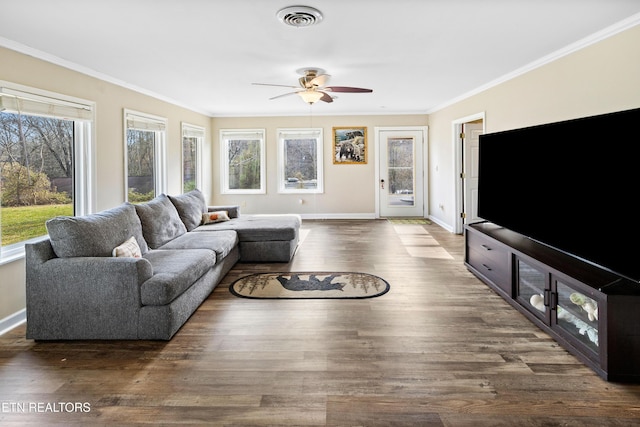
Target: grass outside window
point(27, 222)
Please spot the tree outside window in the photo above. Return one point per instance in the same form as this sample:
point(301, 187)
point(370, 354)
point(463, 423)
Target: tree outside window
point(192, 139)
point(189, 164)
point(243, 161)
point(300, 160)
point(46, 162)
point(144, 139)
point(140, 165)
point(37, 161)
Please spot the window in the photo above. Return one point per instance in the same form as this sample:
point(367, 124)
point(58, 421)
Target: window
point(300, 161)
point(192, 138)
point(145, 169)
point(243, 161)
point(46, 162)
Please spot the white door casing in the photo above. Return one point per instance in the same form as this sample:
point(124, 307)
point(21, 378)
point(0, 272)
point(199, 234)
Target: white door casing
point(471, 142)
point(459, 166)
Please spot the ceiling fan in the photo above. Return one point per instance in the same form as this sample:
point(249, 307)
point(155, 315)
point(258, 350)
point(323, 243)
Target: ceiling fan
point(313, 86)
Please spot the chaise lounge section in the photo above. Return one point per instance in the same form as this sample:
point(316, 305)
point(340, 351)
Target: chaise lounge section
point(169, 262)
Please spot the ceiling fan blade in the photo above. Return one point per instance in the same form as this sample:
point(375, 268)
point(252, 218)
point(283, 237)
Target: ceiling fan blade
point(326, 97)
point(348, 89)
point(320, 80)
point(268, 84)
point(313, 87)
point(285, 94)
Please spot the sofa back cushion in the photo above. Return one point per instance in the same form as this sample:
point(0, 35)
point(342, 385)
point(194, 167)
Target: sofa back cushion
point(190, 207)
point(160, 221)
point(96, 234)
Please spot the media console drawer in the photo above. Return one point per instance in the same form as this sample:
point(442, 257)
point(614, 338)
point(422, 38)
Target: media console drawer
point(491, 259)
point(496, 271)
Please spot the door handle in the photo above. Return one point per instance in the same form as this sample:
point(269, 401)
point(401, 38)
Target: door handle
point(382, 184)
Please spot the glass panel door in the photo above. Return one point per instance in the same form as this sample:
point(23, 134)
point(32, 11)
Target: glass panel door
point(401, 176)
point(532, 289)
point(577, 315)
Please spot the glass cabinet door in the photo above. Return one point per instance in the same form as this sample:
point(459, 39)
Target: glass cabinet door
point(533, 292)
point(577, 316)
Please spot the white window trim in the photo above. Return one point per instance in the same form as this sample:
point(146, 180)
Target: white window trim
point(159, 125)
point(84, 155)
point(287, 133)
point(231, 134)
point(85, 160)
point(198, 132)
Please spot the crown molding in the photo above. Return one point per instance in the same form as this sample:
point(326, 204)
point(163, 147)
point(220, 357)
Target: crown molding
point(44, 56)
point(599, 36)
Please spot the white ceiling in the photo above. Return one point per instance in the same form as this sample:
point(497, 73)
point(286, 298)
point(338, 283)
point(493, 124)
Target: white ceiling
point(416, 55)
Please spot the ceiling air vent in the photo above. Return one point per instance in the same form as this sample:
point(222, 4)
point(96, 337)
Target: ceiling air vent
point(299, 16)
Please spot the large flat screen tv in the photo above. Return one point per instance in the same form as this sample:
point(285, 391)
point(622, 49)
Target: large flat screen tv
point(571, 185)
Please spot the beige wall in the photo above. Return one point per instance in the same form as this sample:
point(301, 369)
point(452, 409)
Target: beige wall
point(110, 101)
point(349, 190)
point(600, 78)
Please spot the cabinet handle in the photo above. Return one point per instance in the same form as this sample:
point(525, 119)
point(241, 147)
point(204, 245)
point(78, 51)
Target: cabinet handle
point(547, 294)
point(554, 300)
point(485, 247)
point(487, 267)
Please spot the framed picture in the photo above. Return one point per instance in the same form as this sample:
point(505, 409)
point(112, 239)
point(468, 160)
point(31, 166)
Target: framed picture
point(349, 145)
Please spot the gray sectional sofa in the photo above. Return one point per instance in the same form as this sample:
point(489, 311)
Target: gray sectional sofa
point(77, 289)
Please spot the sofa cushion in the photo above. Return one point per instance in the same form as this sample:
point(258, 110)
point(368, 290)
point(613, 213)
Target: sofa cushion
point(221, 242)
point(160, 221)
point(259, 228)
point(96, 234)
point(174, 271)
point(190, 207)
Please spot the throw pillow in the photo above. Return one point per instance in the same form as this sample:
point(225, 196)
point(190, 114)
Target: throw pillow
point(128, 249)
point(190, 207)
point(160, 221)
point(218, 216)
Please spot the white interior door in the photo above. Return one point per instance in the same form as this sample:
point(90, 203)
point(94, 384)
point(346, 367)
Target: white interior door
point(471, 142)
point(400, 172)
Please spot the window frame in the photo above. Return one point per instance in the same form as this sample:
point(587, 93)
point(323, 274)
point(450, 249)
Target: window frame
point(84, 175)
point(291, 133)
point(235, 134)
point(158, 125)
point(198, 132)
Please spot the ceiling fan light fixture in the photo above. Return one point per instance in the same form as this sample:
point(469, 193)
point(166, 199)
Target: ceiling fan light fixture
point(299, 16)
point(310, 96)
point(313, 87)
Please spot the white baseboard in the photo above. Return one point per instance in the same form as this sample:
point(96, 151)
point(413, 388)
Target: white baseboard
point(444, 225)
point(321, 216)
point(12, 321)
point(339, 216)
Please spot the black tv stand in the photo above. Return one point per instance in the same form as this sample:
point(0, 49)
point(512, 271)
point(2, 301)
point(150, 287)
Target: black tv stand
point(591, 312)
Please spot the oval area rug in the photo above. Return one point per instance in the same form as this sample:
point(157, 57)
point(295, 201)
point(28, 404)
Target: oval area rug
point(309, 285)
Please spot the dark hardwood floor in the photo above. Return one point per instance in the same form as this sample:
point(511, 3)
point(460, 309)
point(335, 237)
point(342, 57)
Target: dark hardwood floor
point(440, 349)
